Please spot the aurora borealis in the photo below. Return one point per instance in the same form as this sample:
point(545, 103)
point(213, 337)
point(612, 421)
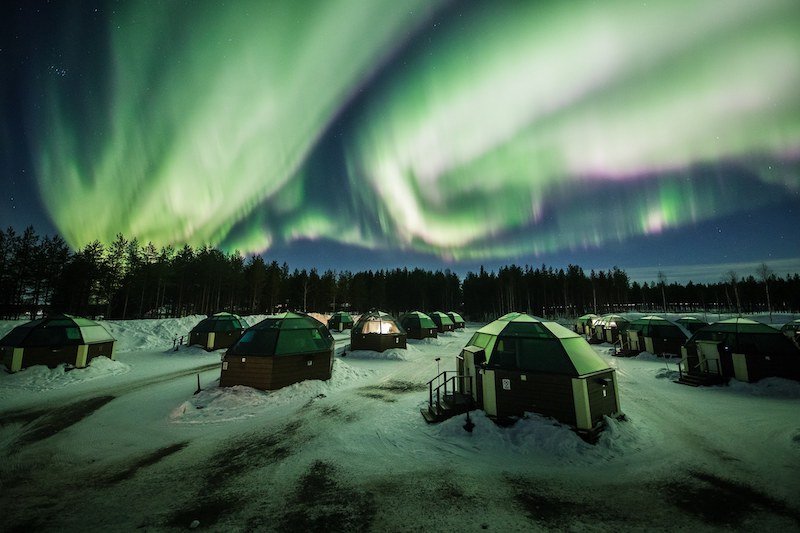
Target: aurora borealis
point(458, 131)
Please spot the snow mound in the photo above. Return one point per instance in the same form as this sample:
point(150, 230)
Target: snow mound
point(7, 325)
point(535, 435)
point(393, 354)
point(220, 404)
point(227, 404)
point(150, 334)
point(41, 378)
point(775, 387)
point(666, 373)
point(647, 356)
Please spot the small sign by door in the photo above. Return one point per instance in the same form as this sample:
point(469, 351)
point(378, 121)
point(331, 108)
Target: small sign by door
point(506, 384)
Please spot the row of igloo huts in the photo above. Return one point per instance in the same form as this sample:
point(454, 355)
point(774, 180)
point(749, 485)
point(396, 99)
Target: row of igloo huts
point(738, 348)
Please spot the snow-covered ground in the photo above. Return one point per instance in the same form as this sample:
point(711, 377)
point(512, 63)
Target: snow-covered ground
point(126, 444)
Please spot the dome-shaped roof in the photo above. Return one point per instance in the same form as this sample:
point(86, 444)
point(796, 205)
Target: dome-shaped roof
point(517, 341)
point(441, 318)
point(284, 334)
point(455, 317)
point(57, 330)
point(416, 319)
point(378, 323)
point(344, 316)
point(656, 326)
point(691, 323)
point(744, 335)
point(220, 322)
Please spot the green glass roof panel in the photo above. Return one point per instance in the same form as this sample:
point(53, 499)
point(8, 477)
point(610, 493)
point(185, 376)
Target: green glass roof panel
point(583, 357)
point(559, 331)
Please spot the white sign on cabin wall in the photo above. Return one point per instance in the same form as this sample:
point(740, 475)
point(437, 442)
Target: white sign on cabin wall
point(506, 384)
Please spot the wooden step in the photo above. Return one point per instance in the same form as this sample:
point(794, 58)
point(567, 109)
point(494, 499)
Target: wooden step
point(697, 380)
point(451, 405)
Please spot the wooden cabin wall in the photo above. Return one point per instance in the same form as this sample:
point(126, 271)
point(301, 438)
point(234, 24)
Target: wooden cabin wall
point(546, 394)
point(421, 333)
point(275, 372)
point(50, 356)
point(600, 404)
point(222, 339)
point(248, 370)
point(288, 369)
point(105, 349)
point(376, 342)
point(758, 366)
point(666, 346)
point(226, 339)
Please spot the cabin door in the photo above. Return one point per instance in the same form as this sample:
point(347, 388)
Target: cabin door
point(708, 353)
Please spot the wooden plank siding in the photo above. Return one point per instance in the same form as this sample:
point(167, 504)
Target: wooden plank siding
point(49, 356)
point(376, 341)
point(761, 366)
point(274, 372)
point(546, 394)
point(222, 339)
point(663, 346)
point(6, 356)
point(105, 349)
point(600, 404)
point(418, 333)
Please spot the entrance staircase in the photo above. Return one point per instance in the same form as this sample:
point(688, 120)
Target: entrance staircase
point(699, 375)
point(449, 394)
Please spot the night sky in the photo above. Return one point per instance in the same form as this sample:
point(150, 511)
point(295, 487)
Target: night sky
point(659, 135)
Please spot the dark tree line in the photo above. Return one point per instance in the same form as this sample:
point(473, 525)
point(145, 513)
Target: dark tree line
point(129, 279)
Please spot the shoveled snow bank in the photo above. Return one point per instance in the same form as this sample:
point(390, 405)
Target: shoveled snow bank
point(540, 438)
point(40, 377)
point(393, 354)
point(774, 387)
point(225, 404)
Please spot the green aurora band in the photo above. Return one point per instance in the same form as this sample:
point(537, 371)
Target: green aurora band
point(488, 139)
point(212, 110)
point(574, 93)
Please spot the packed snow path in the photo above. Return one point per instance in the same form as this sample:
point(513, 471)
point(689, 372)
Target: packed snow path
point(135, 448)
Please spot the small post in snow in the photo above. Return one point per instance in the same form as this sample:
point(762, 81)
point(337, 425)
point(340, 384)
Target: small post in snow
point(198, 385)
point(469, 425)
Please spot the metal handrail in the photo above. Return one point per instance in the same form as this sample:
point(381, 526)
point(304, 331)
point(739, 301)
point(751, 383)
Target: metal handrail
point(445, 380)
point(698, 365)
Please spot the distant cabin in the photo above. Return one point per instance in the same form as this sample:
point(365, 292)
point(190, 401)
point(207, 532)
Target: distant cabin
point(55, 340)
point(691, 323)
point(418, 326)
point(521, 363)
point(613, 327)
point(340, 321)
point(442, 321)
point(217, 331)
point(278, 351)
point(792, 331)
point(377, 331)
point(656, 335)
point(738, 348)
point(458, 320)
point(584, 325)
